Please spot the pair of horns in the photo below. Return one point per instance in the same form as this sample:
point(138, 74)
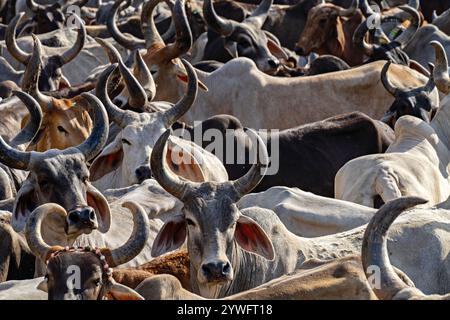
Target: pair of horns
point(115, 257)
point(345, 12)
point(402, 40)
point(181, 188)
point(124, 117)
point(394, 91)
point(24, 57)
point(183, 36)
point(225, 27)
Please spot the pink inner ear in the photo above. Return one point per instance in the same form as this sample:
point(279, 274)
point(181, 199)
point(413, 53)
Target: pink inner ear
point(170, 237)
point(253, 239)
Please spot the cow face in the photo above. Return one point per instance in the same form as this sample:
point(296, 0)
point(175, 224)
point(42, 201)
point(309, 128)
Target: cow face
point(324, 23)
point(211, 222)
point(416, 102)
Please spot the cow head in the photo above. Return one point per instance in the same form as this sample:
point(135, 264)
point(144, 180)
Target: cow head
point(66, 121)
point(211, 221)
point(95, 280)
point(324, 27)
point(391, 51)
point(415, 102)
point(50, 17)
point(51, 77)
point(246, 38)
point(129, 154)
point(62, 177)
point(441, 75)
point(159, 55)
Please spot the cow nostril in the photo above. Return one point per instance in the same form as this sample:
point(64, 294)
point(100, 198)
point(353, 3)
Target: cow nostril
point(92, 215)
point(205, 269)
point(226, 268)
point(273, 63)
point(74, 217)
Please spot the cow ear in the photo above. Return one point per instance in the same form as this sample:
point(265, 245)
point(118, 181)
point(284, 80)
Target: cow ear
point(97, 201)
point(120, 292)
point(170, 237)
point(23, 206)
point(276, 50)
point(231, 47)
point(183, 162)
point(109, 160)
point(42, 286)
point(252, 238)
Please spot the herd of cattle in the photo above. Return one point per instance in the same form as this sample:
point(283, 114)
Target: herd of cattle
point(117, 179)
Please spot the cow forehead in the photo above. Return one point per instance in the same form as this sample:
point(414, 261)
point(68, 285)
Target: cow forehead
point(57, 160)
point(322, 10)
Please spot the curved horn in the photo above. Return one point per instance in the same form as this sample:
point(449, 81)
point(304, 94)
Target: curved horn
point(11, 43)
point(71, 54)
point(258, 17)
point(175, 185)
point(359, 39)
point(144, 76)
point(182, 106)
point(408, 34)
point(251, 179)
point(113, 54)
point(148, 26)
point(183, 35)
point(220, 25)
point(350, 10)
point(365, 8)
point(121, 117)
point(374, 246)
point(27, 134)
point(414, 4)
point(127, 41)
point(386, 82)
point(440, 72)
point(33, 6)
point(97, 139)
point(33, 229)
point(138, 238)
point(138, 97)
point(30, 81)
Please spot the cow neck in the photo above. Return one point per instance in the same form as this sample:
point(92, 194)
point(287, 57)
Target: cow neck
point(441, 125)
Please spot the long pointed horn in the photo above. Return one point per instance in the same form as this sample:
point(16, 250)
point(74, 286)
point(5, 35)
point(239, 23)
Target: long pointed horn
point(182, 106)
point(11, 43)
point(408, 34)
point(138, 97)
point(350, 10)
point(30, 81)
point(27, 134)
point(127, 41)
point(374, 247)
point(386, 82)
point(441, 76)
point(365, 8)
point(259, 16)
point(220, 25)
point(73, 52)
point(144, 76)
point(97, 139)
point(359, 39)
point(14, 158)
point(183, 36)
point(253, 177)
point(175, 185)
point(33, 229)
point(121, 117)
point(148, 26)
point(138, 238)
point(113, 54)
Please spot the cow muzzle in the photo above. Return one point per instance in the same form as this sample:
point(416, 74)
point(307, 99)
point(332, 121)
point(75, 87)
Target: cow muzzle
point(216, 272)
point(81, 220)
point(143, 172)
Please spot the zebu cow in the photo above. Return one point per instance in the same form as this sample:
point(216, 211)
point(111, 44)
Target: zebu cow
point(242, 39)
point(125, 161)
point(375, 253)
point(233, 250)
point(51, 77)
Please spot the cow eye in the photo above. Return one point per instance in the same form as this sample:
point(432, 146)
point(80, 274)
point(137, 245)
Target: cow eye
point(190, 222)
point(61, 129)
point(125, 141)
